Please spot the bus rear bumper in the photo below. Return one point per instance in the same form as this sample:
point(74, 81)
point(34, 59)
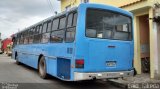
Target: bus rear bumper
point(102, 75)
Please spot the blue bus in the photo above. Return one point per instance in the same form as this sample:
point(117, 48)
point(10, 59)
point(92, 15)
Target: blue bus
point(91, 41)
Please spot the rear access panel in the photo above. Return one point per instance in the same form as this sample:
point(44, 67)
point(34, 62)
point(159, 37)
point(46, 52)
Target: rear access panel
point(63, 68)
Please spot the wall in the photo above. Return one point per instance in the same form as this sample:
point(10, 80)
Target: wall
point(72, 3)
point(144, 35)
point(117, 3)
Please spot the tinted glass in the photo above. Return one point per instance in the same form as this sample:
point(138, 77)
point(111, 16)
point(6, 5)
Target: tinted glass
point(26, 40)
point(30, 39)
point(34, 31)
point(40, 29)
point(44, 27)
point(62, 23)
point(75, 19)
point(37, 29)
point(70, 34)
point(108, 25)
point(45, 37)
point(70, 19)
point(49, 26)
point(55, 24)
point(57, 36)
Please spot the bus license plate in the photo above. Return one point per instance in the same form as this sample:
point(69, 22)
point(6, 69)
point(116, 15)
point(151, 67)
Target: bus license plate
point(111, 63)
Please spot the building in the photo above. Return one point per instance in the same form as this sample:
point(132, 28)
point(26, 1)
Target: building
point(146, 30)
point(5, 43)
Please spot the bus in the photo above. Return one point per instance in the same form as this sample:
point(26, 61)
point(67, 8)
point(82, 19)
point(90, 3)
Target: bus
point(91, 41)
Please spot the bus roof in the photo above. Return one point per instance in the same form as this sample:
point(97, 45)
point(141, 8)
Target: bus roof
point(105, 6)
point(82, 5)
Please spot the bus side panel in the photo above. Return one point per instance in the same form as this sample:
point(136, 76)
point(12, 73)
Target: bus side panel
point(55, 53)
point(51, 66)
point(21, 58)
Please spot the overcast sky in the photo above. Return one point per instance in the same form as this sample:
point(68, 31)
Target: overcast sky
point(18, 14)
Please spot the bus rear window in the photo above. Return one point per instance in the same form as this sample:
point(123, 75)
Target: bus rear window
point(108, 25)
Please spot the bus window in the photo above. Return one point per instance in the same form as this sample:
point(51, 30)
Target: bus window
point(71, 26)
point(123, 28)
point(40, 29)
point(18, 38)
point(70, 35)
point(57, 36)
point(46, 32)
point(107, 25)
point(55, 24)
point(37, 30)
point(62, 23)
point(26, 37)
point(75, 19)
point(31, 36)
point(35, 40)
point(49, 26)
point(70, 20)
point(44, 28)
point(45, 37)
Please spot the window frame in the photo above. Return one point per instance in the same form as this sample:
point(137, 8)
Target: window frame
point(26, 36)
point(58, 28)
point(53, 23)
point(49, 21)
point(72, 25)
point(47, 31)
point(45, 23)
point(63, 16)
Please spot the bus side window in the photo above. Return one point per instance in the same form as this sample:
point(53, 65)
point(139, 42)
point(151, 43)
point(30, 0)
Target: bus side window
point(57, 35)
point(36, 35)
point(46, 32)
point(21, 38)
point(45, 37)
point(62, 23)
point(75, 19)
point(44, 28)
point(71, 27)
point(70, 20)
point(26, 37)
point(31, 35)
point(55, 24)
point(14, 40)
point(40, 29)
point(49, 26)
point(18, 38)
point(40, 33)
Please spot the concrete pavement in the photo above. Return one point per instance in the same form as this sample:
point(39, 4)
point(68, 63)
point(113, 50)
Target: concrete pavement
point(28, 78)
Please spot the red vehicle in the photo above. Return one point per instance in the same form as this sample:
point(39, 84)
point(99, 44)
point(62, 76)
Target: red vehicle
point(6, 42)
point(0, 47)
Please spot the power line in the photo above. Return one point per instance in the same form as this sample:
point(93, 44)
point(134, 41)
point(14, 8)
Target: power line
point(50, 6)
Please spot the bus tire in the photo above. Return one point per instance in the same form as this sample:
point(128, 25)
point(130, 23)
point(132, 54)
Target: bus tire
point(17, 61)
point(42, 68)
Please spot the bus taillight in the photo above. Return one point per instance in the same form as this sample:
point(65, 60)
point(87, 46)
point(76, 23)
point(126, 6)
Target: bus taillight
point(79, 63)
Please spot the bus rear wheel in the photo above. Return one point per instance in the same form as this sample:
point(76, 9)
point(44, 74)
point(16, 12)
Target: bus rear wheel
point(42, 68)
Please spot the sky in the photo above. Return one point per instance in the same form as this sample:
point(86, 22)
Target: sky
point(15, 15)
